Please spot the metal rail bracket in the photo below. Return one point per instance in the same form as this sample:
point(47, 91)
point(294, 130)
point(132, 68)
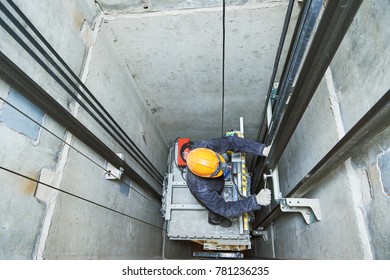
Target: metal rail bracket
point(113, 173)
point(260, 232)
point(309, 208)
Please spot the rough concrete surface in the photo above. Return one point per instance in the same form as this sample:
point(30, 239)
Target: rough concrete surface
point(353, 204)
point(336, 236)
point(15, 120)
point(180, 76)
point(112, 83)
point(82, 230)
point(314, 137)
point(145, 6)
point(21, 214)
point(377, 206)
point(64, 20)
point(159, 75)
point(360, 67)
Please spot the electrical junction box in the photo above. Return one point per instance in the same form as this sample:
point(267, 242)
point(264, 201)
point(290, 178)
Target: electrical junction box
point(180, 142)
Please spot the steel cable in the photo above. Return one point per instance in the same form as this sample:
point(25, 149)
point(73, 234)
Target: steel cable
point(66, 143)
point(78, 197)
point(149, 168)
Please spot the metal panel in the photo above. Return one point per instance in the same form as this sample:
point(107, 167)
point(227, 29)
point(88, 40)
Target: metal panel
point(188, 220)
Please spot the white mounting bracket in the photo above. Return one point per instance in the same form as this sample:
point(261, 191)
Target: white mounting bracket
point(260, 232)
point(309, 208)
point(113, 173)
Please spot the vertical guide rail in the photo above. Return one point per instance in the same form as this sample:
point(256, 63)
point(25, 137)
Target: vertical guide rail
point(302, 34)
point(335, 22)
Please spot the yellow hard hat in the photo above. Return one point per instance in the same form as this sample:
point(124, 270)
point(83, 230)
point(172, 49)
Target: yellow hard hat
point(206, 163)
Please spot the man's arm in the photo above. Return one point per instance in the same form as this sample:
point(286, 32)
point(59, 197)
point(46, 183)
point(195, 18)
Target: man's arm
point(231, 143)
point(215, 203)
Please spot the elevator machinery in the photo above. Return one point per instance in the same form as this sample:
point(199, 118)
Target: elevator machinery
point(186, 219)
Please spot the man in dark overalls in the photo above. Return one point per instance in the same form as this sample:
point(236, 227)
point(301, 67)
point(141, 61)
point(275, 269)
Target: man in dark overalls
point(206, 181)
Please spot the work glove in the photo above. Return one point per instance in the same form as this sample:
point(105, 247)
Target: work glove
point(264, 197)
point(266, 151)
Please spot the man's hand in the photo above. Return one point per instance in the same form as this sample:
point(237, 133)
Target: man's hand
point(266, 151)
point(264, 197)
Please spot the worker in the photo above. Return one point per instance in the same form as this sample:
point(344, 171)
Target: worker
point(205, 169)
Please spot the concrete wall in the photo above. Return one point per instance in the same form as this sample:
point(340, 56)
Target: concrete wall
point(175, 58)
point(100, 219)
point(21, 213)
point(95, 233)
point(112, 83)
point(144, 6)
point(84, 230)
point(95, 218)
point(353, 198)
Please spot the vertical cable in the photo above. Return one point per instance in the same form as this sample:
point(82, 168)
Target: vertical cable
point(223, 65)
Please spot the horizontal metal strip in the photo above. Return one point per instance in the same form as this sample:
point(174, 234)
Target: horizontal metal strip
point(19, 80)
point(360, 135)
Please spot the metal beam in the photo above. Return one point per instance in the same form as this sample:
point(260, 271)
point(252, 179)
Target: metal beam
point(20, 81)
point(304, 33)
point(376, 120)
point(372, 123)
point(335, 21)
point(276, 64)
point(337, 17)
point(73, 85)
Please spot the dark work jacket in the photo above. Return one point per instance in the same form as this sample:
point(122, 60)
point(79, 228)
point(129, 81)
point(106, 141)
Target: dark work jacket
point(208, 190)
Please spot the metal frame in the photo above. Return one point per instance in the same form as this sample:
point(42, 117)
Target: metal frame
point(218, 255)
point(260, 232)
point(309, 208)
point(372, 123)
point(337, 17)
point(235, 238)
point(235, 241)
point(112, 172)
point(335, 22)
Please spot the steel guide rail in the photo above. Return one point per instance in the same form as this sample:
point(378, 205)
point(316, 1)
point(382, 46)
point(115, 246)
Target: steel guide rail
point(335, 22)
